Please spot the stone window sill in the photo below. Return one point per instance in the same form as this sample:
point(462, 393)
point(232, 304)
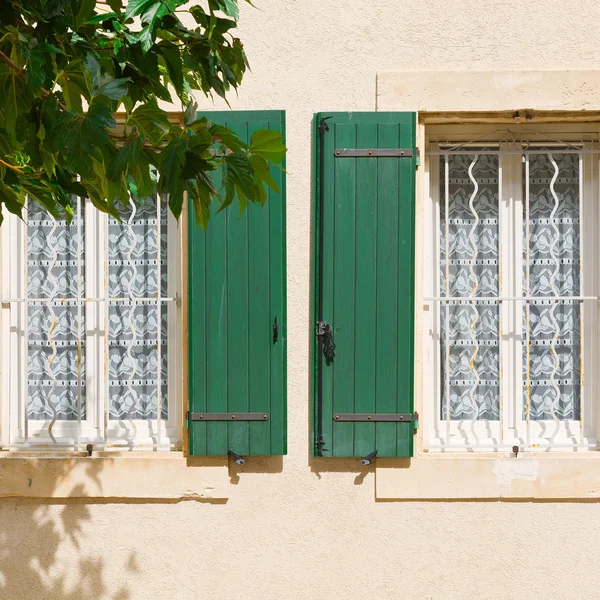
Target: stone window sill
point(490, 477)
point(114, 476)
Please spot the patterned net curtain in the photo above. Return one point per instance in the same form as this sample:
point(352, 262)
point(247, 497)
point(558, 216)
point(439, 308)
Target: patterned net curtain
point(134, 382)
point(554, 328)
point(54, 377)
point(473, 328)
point(473, 334)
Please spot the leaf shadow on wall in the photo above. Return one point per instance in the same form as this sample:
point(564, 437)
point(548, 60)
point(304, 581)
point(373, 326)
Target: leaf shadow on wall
point(45, 552)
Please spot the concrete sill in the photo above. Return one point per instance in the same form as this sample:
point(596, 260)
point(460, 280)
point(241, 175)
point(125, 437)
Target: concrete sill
point(150, 476)
point(476, 477)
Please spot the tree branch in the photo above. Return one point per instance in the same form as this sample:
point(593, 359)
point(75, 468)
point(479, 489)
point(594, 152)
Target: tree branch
point(11, 64)
point(11, 166)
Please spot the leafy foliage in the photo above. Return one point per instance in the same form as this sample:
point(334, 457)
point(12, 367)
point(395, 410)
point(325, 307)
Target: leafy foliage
point(67, 67)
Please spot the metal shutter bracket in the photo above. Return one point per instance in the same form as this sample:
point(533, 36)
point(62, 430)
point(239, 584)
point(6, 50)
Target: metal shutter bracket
point(373, 153)
point(238, 416)
point(382, 417)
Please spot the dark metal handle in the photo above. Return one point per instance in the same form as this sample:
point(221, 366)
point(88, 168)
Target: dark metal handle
point(325, 333)
point(275, 331)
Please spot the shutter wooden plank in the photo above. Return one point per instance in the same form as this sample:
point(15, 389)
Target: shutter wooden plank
point(387, 290)
point(344, 228)
point(278, 302)
point(366, 289)
point(198, 337)
point(217, 330)
point(238, 287)
point(327, 249)
point(367, 282)
point(406, 294)
point(260, 322)
point(237, 326)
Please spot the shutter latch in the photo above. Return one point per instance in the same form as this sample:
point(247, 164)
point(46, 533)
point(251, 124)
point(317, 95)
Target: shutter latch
point(325, 333)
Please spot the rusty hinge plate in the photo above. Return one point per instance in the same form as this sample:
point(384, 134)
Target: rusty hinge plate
point(373, 152)
point(360, 417)
point(237, 416)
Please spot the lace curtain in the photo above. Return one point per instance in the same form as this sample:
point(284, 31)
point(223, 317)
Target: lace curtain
point(473, 375)
point(53, 249)
point(133, 325)
point(473, 328)
point(554, 271)
point(53, 328)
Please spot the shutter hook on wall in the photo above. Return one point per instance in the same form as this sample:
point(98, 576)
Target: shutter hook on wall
point(369, 458)
point(239, 460)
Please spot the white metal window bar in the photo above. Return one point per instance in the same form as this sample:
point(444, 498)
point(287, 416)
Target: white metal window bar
point(93, 423)
point(475, 433)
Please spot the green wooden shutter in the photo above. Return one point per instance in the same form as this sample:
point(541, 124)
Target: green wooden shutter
point(237, 288)
point(365, 241)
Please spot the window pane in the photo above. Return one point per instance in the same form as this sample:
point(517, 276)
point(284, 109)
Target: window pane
point(473, 271)
point(133, 326)
point(54, 328)
point(554, 271)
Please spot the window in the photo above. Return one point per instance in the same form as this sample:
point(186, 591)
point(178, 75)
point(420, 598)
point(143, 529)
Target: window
point(511, 227)
point(90, 329)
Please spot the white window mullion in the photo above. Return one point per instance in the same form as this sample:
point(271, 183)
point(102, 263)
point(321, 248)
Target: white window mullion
point(173, 426)
point(589, 220)
point(94, 322)
point(432, 389)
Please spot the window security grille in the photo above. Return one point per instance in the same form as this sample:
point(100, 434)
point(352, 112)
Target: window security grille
point(87, 329)
point(508, 322)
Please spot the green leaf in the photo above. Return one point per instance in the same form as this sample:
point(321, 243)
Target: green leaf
point(82, 137)
point(226, 137)
point(142, 175)
point(126, 157)
point(86, 11)
point(38, 67)
point(74, 85)
point(201, 191)
point(262, 176)
point(42, 193)
point(238, 176)
point(172, 161)
point(268, 144)
point(190, 112)
point(174, 65)
point(114, 89)
point(151, 120)
point(116, 5)
point(229, 7)
point(147, 36)
point(137, 7)
point(16, 97)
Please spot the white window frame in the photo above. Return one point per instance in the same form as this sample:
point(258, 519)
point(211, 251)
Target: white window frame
point(18, 432)
point(468, 436)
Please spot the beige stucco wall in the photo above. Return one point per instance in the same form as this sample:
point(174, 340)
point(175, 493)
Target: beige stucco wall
point(291, 528)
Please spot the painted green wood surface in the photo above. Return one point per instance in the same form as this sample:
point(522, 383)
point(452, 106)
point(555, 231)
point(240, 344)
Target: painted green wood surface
point(368, 281)
point(237, 288)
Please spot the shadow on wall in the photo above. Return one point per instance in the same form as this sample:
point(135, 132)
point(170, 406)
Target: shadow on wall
point(44, 553)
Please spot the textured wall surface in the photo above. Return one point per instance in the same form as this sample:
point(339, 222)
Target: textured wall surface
point(292, 529)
